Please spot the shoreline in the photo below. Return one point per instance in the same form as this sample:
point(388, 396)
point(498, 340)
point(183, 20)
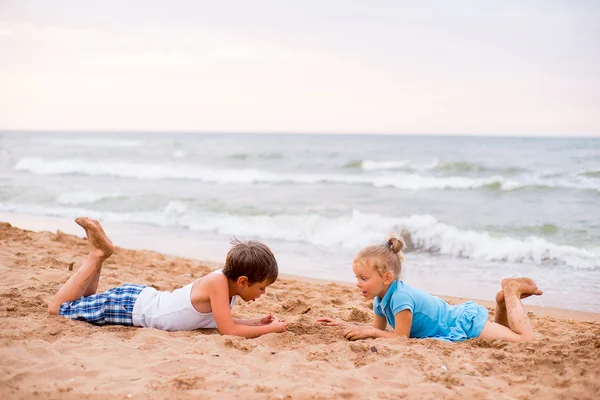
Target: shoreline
point(36, 223)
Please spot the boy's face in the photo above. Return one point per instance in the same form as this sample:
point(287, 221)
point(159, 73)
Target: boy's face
point(252, 291)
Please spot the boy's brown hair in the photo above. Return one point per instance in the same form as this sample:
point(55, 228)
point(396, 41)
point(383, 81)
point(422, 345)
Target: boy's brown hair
point(252, 259)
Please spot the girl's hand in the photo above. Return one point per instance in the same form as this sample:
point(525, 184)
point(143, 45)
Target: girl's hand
point(357, 333)
point(266, 320)
point(332, 322)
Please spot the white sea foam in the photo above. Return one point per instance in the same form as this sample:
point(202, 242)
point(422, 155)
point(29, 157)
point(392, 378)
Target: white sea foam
point(570, 181)
point(370, 165)
point(246, 176)
point(400, 180)
point(351, 232)
point(427, 234)
point(84, 197)
point(176, 207)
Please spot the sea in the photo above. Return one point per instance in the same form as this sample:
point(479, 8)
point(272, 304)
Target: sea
point(472, 210)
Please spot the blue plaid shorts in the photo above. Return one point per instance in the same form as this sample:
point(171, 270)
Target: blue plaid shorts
point(114, 306)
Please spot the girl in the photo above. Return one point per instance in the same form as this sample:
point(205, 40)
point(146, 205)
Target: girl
point(417, 314)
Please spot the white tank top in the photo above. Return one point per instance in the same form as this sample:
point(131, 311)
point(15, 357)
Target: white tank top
point(171, 311)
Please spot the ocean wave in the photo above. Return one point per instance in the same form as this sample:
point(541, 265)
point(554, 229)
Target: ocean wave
point(434, 165)
point(248, 176)
point(266, 156)
point(556, 181)
point(463, 166)
point(84, 197)
point(423, 233)
point(591, 174)
point(399, 180)
point(405, 165)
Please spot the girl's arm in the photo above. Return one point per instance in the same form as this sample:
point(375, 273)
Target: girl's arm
point(379, 323)
point(403, 323)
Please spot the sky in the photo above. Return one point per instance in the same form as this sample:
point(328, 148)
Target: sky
point(432, 67)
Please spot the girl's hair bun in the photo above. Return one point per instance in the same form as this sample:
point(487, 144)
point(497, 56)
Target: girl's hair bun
point(396, 244)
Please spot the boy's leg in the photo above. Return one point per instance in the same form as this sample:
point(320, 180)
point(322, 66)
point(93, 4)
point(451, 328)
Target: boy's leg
point(519, 327)
point(84, 281)
point(105, 245)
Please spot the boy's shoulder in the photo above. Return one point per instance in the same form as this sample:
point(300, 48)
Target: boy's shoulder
point(215, 278)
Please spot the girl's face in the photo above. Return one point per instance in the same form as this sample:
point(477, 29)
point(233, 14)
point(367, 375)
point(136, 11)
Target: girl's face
point(368, 280)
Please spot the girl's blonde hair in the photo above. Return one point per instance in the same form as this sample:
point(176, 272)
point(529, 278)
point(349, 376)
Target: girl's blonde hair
point(385, 257)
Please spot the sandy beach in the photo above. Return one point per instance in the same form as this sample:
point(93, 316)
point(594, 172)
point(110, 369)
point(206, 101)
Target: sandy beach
point(53, 357)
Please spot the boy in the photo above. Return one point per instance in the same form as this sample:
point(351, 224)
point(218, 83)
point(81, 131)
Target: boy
point(205, 303)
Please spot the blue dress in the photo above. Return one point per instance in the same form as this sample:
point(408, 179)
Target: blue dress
point(432, 317)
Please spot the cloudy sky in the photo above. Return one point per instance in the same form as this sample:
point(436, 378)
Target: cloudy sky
point(443, 67)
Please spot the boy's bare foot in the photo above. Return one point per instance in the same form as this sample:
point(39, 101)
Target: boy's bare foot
point(100, 242)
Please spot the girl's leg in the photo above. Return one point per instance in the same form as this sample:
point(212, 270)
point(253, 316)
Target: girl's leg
point(500, 315)
point(84, 281)
point(519, 327)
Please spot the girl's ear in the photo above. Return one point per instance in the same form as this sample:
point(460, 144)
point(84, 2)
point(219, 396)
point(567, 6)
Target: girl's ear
point(242, 281)
point(388, 277)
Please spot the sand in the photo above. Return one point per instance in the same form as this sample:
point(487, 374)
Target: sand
point(46, 356)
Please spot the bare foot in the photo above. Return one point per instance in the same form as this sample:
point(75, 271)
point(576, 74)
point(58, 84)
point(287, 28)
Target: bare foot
point(501, 316)
point(97, 237)
point(522, 287)
point(500, 296)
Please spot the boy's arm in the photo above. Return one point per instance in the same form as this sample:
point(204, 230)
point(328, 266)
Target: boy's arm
point(247, 322)
point(218, 295)
point(267, 319)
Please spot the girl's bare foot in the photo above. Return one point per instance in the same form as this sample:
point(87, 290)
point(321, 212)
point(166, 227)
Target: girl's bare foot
point(500, 316)
point(510, 309)
point(523, 287)
point(100, 242)
point(500, 296)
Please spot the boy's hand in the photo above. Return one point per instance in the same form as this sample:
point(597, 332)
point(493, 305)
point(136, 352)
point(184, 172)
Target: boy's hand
point(266, 320)
point(332, 322)
point(278, 326)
